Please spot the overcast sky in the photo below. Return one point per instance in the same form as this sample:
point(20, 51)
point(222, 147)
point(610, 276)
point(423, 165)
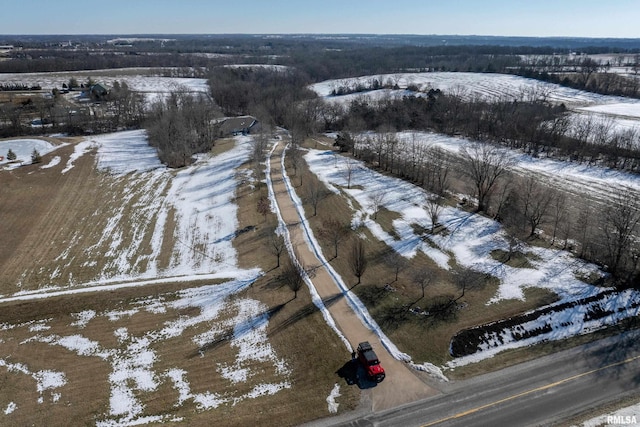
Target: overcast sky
point(580, 18)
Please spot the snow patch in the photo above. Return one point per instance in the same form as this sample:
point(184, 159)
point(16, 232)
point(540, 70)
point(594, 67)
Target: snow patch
point(79, 150)
point(133, 373)
point(83, 318)
point(53, 162)
point(331, 399)
point(430, 369)
point(45, 379)
point(629, 416)
point(23, 148)
point(12, 406)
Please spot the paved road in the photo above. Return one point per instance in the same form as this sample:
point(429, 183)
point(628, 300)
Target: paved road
point(536, 393)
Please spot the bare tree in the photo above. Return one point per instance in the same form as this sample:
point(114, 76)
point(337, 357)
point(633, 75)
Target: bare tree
point(309, 114)
point(584, 230)
point(293, 275)
point(422, 278)
point(358, 259)
point(433, 206)
point(390, 142)
point(258, 147)
point(466, 279)
point(258, 156)
point(315, 193)
point(504, 194)
point(588, 66)
point(295, 158)
point(415, 152)
point(566, 228)
point(297, 128)
point(484, 165)
point(330, 114)
point(180, 126)
point(378, 145)
point(263, 207)
point(396, 261)
point(377, 199)
point(277, 246)
point(349, 166)
point(335, 232)
point(536, 201)
point(436, 167)
point(559, 212)
point(621, 220)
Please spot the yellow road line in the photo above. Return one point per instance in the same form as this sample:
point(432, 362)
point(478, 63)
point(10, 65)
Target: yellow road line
point(524, 393)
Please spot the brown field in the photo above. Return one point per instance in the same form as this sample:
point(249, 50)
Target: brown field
point(41, 211)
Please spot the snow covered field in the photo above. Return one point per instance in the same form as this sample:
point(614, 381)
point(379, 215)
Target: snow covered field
point(470, 238)
point(623, 109)
point(197, 198)
point(590, 181)
point(146, 82)
point(469, 241)
point(200, 199)
point(624, 112)
point(490, 86)
point(23, 148)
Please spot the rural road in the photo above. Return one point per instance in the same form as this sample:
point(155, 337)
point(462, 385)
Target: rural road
point(401, 385)
point(541, 392)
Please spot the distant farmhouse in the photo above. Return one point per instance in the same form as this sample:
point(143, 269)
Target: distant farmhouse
point(242, 125)
point(95, 92)
point(98, 91)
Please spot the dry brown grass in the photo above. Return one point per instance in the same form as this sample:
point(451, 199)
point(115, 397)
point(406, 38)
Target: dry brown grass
point(316, 355)
point(45, 210)
point(421, 337)
point(86, 394)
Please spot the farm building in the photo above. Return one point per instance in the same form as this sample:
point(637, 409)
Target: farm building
point(241, 125)
point(98, 91)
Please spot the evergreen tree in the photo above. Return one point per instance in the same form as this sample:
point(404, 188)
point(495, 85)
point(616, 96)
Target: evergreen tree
point(35, 156)
point(11, 156)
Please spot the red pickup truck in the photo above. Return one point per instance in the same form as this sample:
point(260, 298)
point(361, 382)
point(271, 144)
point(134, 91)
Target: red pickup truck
point(368, 358)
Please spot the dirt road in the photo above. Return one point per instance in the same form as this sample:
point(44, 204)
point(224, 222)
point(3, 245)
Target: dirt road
point(401, 384)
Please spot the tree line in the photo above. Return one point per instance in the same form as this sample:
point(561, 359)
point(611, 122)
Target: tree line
point(8, 87)
point(528, 123)
point(600, 231)
point(584, 74)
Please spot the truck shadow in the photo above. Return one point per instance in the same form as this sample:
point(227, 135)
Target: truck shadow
point(353, 373)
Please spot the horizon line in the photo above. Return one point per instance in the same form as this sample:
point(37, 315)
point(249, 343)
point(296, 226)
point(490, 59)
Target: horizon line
point(318, 34)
